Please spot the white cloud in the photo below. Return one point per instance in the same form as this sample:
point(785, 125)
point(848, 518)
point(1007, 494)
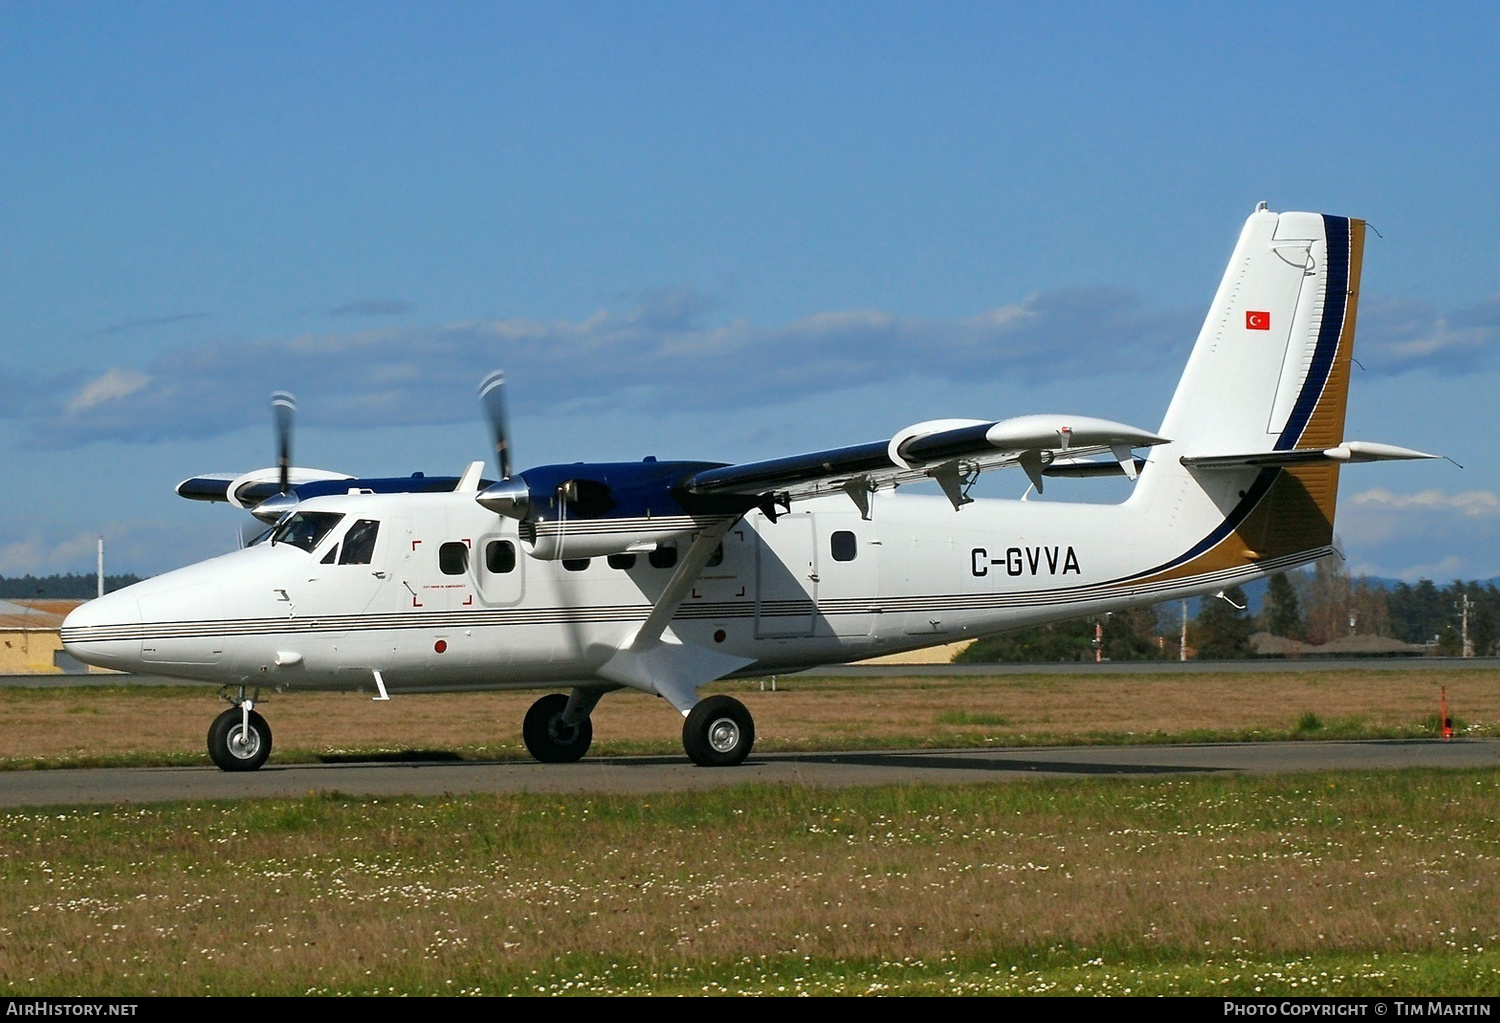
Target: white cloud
point(1400, 336)
point(1469, 502)
point(141, 547)
point(653, 356)
point(112, 386)
point(1451, 567)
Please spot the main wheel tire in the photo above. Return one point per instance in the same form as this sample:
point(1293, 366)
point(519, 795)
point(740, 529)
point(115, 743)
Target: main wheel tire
point(232, 747)
point(548, 738)
point(718, 732)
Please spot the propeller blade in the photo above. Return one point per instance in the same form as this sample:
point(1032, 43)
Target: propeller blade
point(492, 398)
point(283, 411)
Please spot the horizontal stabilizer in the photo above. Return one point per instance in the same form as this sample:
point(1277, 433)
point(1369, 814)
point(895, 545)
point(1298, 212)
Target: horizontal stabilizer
point(1349, 451)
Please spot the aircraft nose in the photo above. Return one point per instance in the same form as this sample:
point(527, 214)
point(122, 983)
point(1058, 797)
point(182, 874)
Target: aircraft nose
point(105, 631)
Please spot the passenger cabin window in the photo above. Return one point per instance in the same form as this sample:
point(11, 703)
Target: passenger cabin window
point(843, 545)
point(359, 543)
point(716, 558)
point(663, 557)
point(500, 556)
point(624, 562)
point(576, 564)
point(453, 558)
point(306, 529)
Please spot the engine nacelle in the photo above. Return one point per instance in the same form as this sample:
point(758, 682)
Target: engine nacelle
point(590, 510)
point(595, 538)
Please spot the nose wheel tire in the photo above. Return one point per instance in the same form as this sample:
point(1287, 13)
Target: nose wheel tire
point(549, 738)
point(233, 747)
point(718, 732)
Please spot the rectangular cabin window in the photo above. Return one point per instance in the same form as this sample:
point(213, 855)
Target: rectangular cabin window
point(663, 557)
point(453, 557)
point(716, 558)
point(624, 562)
point(843, 545)
point(359, 543)
point(500, 556)
point(576, 564)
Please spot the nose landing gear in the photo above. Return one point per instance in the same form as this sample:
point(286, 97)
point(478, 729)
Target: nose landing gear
point(239, 739)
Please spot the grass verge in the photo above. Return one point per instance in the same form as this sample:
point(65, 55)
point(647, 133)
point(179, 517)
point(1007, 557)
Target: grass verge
point(140, 726)
point(1345, 884)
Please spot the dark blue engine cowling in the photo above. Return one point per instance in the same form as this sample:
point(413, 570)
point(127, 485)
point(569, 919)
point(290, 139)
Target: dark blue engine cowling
point(589, 509)
point(593, 490)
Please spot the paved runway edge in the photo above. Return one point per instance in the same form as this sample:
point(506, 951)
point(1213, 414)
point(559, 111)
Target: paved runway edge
point(112, 786)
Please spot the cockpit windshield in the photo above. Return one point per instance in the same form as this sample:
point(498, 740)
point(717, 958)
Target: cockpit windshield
point(305, 529)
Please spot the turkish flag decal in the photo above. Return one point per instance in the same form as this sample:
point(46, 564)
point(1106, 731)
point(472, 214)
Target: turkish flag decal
point(1257, 320)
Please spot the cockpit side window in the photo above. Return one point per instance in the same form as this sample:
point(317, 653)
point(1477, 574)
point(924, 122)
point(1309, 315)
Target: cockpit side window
point(359, 543)
point(306, 529)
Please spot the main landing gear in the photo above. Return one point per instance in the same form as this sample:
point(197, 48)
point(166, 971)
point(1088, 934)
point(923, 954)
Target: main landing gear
point(554, 736)
point(718, 731)
point(239, 739)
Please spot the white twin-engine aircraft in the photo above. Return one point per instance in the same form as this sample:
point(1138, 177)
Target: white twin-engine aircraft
point(664, 576)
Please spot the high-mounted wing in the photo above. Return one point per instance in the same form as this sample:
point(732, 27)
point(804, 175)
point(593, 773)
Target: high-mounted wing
point(951, 451)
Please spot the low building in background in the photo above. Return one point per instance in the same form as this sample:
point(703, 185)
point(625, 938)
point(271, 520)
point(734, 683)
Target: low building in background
point(927, 655)
point(31, 638)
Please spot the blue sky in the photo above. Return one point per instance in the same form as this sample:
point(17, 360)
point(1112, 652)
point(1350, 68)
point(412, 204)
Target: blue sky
point(721, 231)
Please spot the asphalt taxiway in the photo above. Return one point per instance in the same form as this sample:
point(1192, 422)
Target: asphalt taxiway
point(667, 774)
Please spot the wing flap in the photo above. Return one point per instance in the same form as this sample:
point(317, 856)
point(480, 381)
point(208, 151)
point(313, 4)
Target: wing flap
point(951, 451)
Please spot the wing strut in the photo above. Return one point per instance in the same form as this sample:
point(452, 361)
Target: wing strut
point(656, 663)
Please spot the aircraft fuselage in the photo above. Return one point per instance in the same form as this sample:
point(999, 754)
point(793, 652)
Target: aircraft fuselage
point(448, 598)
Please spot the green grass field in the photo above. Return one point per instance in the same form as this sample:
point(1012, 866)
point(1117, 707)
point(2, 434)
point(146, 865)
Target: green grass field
point(1332, 884)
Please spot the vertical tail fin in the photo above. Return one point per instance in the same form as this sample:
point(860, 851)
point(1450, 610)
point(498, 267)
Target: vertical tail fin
point(1270, 370)
point(1268, 374)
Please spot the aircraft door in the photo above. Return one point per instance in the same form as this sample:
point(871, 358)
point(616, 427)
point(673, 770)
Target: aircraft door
point(849, 558)
point(499, 570)
point(786, 576)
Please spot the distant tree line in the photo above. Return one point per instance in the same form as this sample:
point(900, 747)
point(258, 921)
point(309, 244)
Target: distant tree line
point(1130, 635)
point(1313, 606)
point(60, 587)
point(1326, 603)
